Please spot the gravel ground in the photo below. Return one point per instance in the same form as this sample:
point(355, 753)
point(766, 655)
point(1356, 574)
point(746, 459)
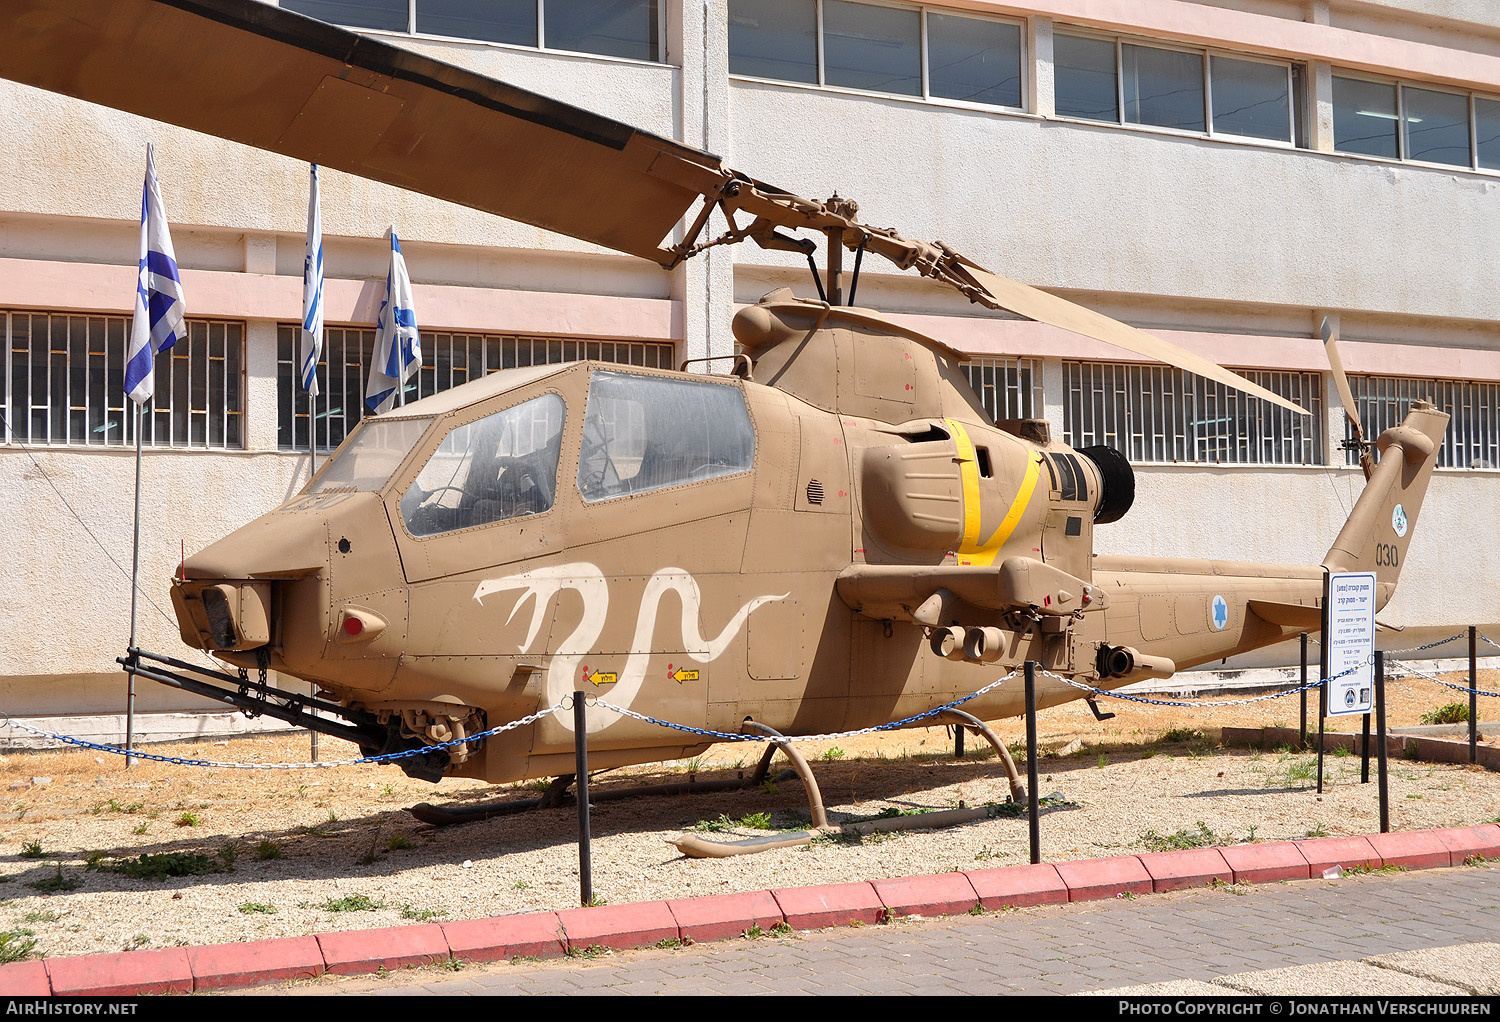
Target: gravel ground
point(315, 850)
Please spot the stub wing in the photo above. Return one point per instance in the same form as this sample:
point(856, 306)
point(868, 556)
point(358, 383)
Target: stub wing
point(926, 594)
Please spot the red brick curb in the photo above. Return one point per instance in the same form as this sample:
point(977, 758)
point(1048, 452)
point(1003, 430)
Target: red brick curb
point(550, 934)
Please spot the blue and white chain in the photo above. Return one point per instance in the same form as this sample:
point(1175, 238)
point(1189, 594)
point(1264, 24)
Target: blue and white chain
point(1441, 642)
point(727, 736)
point(1446, 684)
point(1202, 703)
point(388, 757)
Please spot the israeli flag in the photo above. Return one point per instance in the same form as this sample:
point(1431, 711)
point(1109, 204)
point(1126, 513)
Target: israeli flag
point(312, 292)
point(398, 349)
point(159, 307)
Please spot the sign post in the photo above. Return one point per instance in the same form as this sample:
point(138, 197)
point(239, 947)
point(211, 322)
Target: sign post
point(1349, 658)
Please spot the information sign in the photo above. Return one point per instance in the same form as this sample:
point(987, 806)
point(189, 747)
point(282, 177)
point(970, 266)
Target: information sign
point(1350, 637)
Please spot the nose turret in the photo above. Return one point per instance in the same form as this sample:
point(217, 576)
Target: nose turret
point(314, 589)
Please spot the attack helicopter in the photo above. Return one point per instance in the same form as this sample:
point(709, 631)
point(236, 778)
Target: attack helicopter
point(830, 534)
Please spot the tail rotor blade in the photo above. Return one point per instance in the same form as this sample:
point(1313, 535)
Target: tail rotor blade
point(1346, 394)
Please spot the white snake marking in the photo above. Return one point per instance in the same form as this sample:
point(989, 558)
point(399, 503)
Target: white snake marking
point(542, 584)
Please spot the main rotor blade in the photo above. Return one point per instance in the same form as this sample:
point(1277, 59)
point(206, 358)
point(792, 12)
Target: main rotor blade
point(1033, 303)
point(276, 80)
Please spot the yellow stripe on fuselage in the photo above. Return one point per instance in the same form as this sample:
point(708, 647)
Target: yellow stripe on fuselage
point(970, 552)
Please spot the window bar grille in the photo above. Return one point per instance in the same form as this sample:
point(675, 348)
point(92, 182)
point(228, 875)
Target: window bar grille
point(64, 383)
point(1008, 388)
point(1155, 414)
point(1473, 437)
point(449, 359)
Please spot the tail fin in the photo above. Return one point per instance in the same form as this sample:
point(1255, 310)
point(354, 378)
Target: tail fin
point(1380, 527)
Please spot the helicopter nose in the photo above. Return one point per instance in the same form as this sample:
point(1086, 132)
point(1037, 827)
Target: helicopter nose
point(224, 597)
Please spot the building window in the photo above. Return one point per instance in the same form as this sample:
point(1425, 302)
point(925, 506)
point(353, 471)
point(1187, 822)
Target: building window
point(899, 50)
point(1009, 388)
point(1364, 118)
point(1473, 437)
point(619, 28)
point(1107, 79)
point(1396, 121)
point(64, 383)
point(1156, 414)
point(448, 359)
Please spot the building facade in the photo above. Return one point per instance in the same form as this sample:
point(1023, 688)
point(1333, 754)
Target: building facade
point(1225, 174)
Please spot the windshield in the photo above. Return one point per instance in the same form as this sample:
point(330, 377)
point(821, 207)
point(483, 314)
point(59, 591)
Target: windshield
point(502, 466)
point(366, 460)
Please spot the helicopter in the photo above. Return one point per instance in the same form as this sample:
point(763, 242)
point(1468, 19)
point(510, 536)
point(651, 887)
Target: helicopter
point(830, 534)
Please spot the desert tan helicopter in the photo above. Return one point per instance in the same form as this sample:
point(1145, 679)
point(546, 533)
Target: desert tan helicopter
point(833, 535)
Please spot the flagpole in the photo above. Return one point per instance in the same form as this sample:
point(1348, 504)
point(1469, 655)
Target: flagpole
point(135, 570)
point(155, 325)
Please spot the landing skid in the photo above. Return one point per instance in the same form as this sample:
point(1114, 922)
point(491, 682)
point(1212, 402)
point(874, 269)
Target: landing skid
point(558, 795)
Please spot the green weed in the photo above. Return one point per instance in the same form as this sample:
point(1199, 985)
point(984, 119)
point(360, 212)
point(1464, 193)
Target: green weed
point(55, 884)
point(421, 915)
point(1377, 870)
point(396, 842)
point(32, 850)
point(188, 819)
point(1182, 839)
point(15, 946)
point(1450, 713)
point(168, 864)
point(267, 849)
point(832, 755)
point(353, 903)
point(1181, 734)
point(254, 907)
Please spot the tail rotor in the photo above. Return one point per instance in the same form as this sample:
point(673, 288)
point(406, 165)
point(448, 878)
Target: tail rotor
point(1358, 441)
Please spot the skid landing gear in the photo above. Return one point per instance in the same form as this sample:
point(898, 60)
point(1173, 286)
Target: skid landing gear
point(695, 846)
point(557, 795)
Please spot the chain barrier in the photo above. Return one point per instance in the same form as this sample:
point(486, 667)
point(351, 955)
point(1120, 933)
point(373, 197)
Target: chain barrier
point(1417, 649)
point(1206, 703)
point(1430, 677)
point(1430, 645)
point(387, 757)
point(740, 737)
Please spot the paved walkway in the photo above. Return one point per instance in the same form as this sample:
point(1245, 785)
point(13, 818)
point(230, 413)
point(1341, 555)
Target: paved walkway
point(1375, 934)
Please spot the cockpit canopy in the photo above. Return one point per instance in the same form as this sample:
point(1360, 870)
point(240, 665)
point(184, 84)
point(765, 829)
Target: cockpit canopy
point(639, 433)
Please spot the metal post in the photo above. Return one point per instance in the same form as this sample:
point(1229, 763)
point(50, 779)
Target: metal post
point(1035, 824)
point(1302, 728)
point(958, 741)
point(1385, 805)
point(1323, 675)
point(1364, 745)
point(1473, 695)
point(581, 750)
point(312, 451)
point(135, 572)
